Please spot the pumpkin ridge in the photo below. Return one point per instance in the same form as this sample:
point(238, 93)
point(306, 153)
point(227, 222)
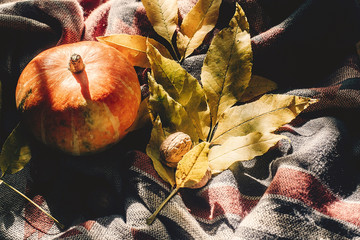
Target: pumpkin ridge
point(114, 122)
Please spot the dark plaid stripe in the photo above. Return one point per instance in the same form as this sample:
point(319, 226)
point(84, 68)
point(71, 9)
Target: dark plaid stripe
point(283, 217)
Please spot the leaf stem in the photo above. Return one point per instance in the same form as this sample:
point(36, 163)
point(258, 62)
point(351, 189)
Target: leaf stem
point(175, 53)
point(151, 219)
point(32, 202)
point(211, 133)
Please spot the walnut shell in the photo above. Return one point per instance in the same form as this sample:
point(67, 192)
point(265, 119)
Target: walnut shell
point(174, 147)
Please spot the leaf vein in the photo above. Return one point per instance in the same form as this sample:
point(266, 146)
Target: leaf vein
point(244, 146)
point(198, 26)
point(164, 19)
point(158, 63)
point(226, 71)
point(253, 118)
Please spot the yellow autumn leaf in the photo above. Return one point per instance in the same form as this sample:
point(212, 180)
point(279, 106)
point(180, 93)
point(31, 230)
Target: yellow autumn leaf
point(173, 116)
point(163, 16)
point(183, 88)
point(265, 115)
point(133, 47)
point(196, 25)
point(193, 166)
point(258, 85)
point(240, 148)
point(227, 67)
point(158, 135)
point(190, 171)
point(240, 19)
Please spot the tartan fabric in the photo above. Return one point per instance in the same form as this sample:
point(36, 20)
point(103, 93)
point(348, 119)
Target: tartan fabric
point(306, 188)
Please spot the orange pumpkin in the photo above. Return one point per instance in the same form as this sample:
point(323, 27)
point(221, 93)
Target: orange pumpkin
point(80, 97)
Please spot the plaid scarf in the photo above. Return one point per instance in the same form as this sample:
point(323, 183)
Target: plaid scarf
point(306, 188)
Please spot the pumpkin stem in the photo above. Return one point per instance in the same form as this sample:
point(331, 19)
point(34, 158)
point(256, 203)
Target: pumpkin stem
point(76, 64)
point(77, 67)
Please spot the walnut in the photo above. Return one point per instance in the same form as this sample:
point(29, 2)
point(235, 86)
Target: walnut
point(174, 148)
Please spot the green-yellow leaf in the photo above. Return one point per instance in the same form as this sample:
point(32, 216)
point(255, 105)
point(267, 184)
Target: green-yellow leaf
point(172, 114)
point(240, 19)
point(240, 148)
point(264, 115)
point(197, 24)
point(158, 135)
point(257, 86)
point(227, 67)
point(163, 16)
point(193, 166)
point(15, 153)
point(183, 88)
point(133, 47)
point(190, 171)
